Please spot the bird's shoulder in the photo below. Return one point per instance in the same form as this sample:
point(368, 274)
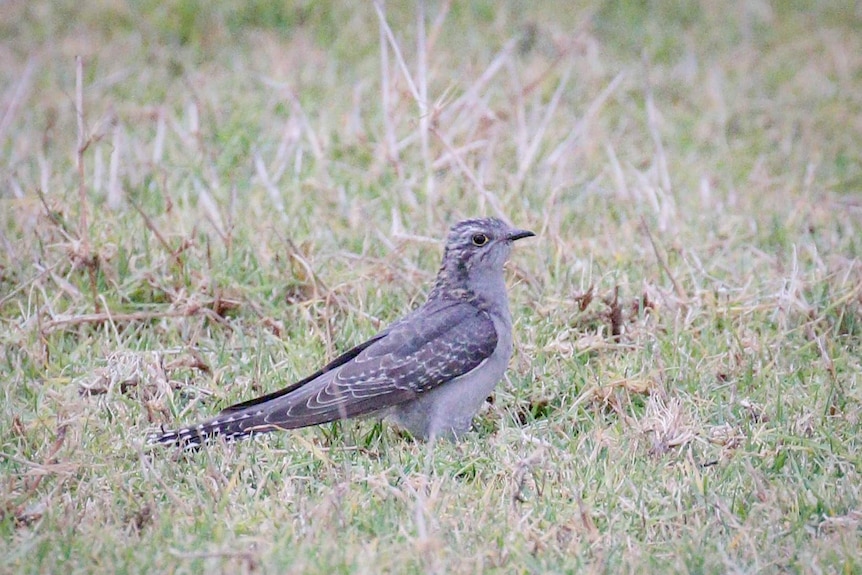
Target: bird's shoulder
point(434, 344)
point(437, 322)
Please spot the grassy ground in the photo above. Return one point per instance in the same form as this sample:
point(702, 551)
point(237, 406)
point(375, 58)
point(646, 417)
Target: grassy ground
point(262, 185)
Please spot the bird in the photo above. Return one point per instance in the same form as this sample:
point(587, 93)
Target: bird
point(429, 372)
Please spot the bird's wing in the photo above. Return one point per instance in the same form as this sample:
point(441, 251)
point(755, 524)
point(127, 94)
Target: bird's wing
point(441, 341)
point(336, 363)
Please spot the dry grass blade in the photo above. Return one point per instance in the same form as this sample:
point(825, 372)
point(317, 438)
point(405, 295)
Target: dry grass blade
point(526, 161)
point(662, 261)
point(485, 195)
point(18, 96)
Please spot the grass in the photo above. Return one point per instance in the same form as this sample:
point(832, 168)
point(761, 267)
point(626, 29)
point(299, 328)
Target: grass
point(265, 184)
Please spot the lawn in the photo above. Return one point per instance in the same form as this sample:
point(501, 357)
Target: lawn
point(203, 202)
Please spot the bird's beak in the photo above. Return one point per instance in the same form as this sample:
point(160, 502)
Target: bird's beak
point(519, 235)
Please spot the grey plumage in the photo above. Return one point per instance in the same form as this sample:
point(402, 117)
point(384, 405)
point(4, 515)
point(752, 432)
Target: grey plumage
point(429, 371)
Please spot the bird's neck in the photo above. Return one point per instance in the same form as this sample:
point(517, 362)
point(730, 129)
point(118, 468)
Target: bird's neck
point(451, 283)
point(487, 292)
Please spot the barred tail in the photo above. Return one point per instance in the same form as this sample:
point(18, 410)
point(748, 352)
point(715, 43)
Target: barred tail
point(228, 427)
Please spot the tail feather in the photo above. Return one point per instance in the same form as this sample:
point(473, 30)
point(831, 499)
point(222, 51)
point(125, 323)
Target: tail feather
point(229, 427)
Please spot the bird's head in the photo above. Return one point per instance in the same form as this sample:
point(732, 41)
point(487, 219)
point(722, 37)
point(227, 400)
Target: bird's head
point(476, 251)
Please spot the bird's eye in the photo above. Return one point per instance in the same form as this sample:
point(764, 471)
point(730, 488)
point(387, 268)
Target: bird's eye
point(480, 240)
